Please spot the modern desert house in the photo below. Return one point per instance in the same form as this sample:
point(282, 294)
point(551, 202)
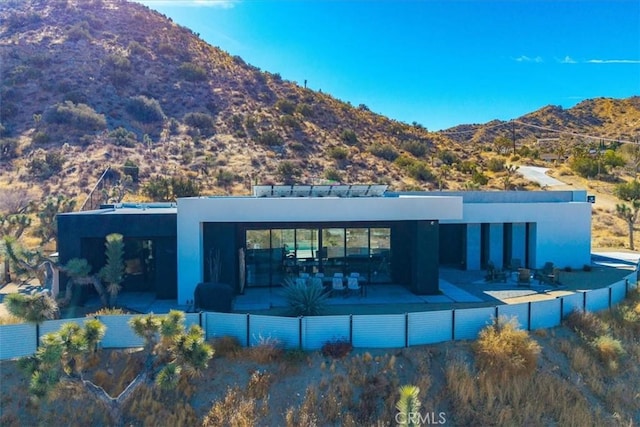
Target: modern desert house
point(281, 231)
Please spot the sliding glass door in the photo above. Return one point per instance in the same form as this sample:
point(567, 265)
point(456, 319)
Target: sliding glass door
point(272, 255)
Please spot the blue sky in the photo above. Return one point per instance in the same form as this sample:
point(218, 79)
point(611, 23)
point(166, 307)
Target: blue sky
point(439, 63)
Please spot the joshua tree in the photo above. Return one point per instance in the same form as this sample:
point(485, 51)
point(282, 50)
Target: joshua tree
point(32, 308)
point(630, 215)
point(170, 351)
point(408, 407)
point(113, 271)
point(79, 272)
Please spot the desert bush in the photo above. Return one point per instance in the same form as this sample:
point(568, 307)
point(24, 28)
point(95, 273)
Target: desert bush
point(123, 137)
point(107, 311)
point(269, 138)
point(259, 384)
point(417, 148)
point(504, 350)
point(608, 349)
point(447, 157)
point(349, 137)
point(234, 410)
point(289, 121)
point(45, 166)
point(192, 72)
point(227, 346)
point(332, 175)
point(338, 153)
point(384, 151)
point(202, 122)
point(79, 31)
point(304, 110)
point(586, 167)
point(79, 116)
point(496, 164)
point(286, 106)
point(304, 300)
point(40, 138)
point(586, 324)
point(288, 172)
point(336, 349)
point(267, 350)
point(145, 110)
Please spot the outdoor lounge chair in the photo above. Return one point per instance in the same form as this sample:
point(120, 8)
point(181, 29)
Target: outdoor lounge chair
point(353, 285)
point(524, 276)
point(337, 284)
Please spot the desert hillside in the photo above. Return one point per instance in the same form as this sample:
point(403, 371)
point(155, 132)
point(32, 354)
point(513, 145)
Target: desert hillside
point(90, 85)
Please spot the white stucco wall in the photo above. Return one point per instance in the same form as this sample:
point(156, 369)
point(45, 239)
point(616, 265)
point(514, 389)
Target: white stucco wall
point(193, 212)
point(562, 232)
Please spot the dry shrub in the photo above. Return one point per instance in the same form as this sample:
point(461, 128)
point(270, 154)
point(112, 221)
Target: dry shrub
point(505, 351)
point(337, 395)
point(306, 414)
point(259, 384)
point(608, 349)
point(226, 346)
point(586, 324)
point(106, 311)
point(268, 350)
point(234, 410)
point(336, 349)
point(151, 407)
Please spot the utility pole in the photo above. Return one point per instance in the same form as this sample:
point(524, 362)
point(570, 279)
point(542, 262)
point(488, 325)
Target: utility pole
point(513, 136)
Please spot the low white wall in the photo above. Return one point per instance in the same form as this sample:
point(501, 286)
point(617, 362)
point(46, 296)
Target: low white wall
point(310, 333)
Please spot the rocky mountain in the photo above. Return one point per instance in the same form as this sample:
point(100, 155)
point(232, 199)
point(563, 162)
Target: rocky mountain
point(91, 84)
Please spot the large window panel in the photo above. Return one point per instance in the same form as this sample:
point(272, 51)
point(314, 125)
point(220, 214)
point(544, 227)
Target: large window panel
point(257, 259)
point(380, 255)
point(357, 249)
point(333, 250)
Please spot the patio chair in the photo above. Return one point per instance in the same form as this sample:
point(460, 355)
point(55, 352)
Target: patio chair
point(524, 276)
point(353, 285)
point(317, 280)
point(337, 284)
point(515, 264)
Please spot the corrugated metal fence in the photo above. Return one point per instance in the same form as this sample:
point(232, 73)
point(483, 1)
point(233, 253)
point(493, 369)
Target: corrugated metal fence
point(310, 333)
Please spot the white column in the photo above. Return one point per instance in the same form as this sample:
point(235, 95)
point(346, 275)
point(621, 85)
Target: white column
point(474, 245)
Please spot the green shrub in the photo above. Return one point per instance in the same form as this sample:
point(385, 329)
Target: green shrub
point(333, 175)
point(586, 167)
point(45, 166)
point(145, 110)
point(79, 31)
point(304, 109)
point(349, 137)
point(338, 153)
point(479, 178)
point(504, 350)
point(79, 116)
point(289, 121)
point(303, 299)
point(269, 138)
point(192, 72)
point(417, 148)
point(286, 106)
point(447, 157)
point(202, 122)
point(496, 164)
point(123, 137)
point(384, 151)
point(40, 138)
point(130, 168)
point(288, 172)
